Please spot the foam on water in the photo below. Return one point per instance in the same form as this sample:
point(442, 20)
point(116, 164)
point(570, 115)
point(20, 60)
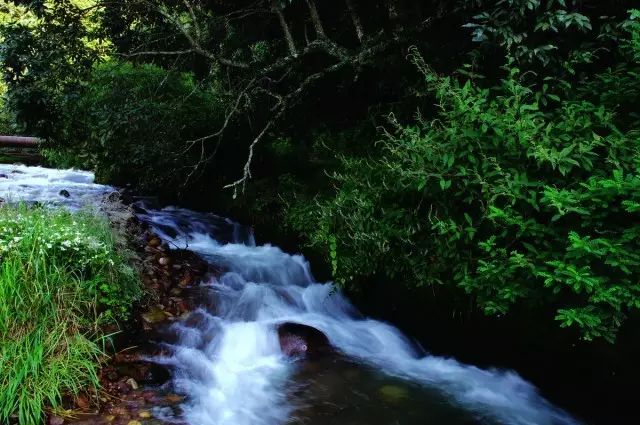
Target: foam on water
point(229, 361)
point(44, 185)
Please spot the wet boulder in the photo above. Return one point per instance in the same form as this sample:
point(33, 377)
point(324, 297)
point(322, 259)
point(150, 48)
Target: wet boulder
point(301, 340)
point(133, 369)
point(64, 193)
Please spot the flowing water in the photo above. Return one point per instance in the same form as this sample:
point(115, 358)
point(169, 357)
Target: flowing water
point(228, 360)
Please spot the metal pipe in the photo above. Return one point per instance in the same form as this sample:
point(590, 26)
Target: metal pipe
point(19, 142)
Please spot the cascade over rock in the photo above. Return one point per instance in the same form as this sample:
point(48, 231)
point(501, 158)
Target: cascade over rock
point(302, 340)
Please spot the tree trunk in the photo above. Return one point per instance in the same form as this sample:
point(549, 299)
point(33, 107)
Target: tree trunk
point(357, 23)
point(275, 8)
point(315, 18)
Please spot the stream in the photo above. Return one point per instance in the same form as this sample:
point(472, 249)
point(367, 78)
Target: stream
point(227, 358)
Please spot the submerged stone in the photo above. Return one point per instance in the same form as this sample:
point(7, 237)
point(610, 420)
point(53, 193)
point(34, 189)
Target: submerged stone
point(393, 393)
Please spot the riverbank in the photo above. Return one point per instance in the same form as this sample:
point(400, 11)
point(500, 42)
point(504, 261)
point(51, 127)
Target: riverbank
point(132, 383)
point(66, 282)
point(84, 285)
point(84, 295)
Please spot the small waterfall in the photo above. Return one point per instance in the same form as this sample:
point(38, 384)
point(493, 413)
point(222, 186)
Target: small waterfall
point(228, 360)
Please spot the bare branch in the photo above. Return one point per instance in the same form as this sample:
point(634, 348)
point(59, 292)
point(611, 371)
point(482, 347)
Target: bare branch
point(315, 18)
point(197, 48)
point(246, 175)
point(159, 53)
point(283, 104)
point(254, 9)
point(287, 78)
point(230, 114)
point(355, 18)
point(275, 8)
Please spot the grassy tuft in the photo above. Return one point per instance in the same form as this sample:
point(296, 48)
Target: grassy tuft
point(61, 279)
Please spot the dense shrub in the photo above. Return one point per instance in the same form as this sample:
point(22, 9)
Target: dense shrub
point(132, 124)
point(507, 200)
point(61, 277)
point(6, 119)
point(44, 52)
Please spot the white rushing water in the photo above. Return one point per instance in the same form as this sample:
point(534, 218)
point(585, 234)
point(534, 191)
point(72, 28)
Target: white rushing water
point(228, 358)
point(230, 363)
point(71, 188)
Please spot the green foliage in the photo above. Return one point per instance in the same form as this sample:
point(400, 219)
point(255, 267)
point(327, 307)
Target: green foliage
point(132, 124)
point(6, 115)
point(632, 25)
point(510, 202)
point(60, 278)
point(528, 30)
point(45, 53)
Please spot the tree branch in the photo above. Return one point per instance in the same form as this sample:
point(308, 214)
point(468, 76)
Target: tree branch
point(315, 18)
point(287, 78)
point(158, 53)
point(197, 48)
point(283, 104)
point(355, 18)
point(246, 175)
point(275, 8)
point(233, 111)
point(193, 17)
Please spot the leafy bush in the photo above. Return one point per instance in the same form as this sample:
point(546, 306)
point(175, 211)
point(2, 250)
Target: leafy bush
point(6, 119)
point(45, 51)
point(60, 278)
point(509, 202)
point(132, 125)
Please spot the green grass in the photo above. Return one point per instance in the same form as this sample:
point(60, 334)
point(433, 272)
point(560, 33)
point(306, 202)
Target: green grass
point(62, 278)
